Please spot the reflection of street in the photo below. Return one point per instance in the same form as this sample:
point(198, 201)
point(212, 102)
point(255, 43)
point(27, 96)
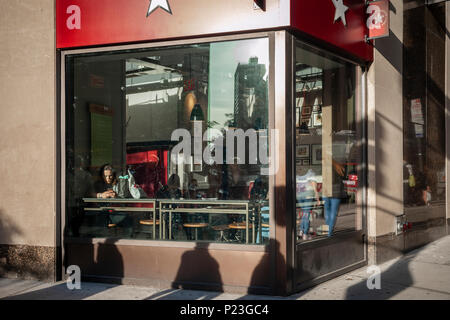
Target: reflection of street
point(346, 220)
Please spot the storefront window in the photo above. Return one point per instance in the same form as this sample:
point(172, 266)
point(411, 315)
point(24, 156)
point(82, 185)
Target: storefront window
point(328, 148)
point(424, 142)
point(169, 143)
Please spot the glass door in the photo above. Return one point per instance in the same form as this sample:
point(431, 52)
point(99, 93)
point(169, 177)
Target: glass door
point(328, 168)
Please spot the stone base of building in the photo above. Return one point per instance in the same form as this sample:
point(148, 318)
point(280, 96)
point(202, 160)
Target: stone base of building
point(28, 262)
point(391, 246)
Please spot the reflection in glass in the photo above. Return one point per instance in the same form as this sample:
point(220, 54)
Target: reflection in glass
point(124, 110)
point(424, 78)
point(328, 157)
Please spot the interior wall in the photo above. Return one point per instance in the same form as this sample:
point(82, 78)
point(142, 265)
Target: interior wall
point(108, 93)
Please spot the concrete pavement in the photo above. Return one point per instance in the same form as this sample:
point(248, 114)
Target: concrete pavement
point(420, 275)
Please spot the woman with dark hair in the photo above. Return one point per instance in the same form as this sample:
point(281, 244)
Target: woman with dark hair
point(105, 188)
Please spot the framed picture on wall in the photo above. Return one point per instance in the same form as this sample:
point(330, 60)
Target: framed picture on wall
point(302, 151)
point(317, 119)
point(316, 152)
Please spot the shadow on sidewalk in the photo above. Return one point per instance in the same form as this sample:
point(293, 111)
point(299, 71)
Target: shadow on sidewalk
point(61, 292)
point(399, 277)
point(394, 280)
point(108, 260)
point(195, 264)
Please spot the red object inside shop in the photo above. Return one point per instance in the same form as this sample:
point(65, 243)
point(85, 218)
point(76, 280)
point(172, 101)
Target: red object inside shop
point(150, 169)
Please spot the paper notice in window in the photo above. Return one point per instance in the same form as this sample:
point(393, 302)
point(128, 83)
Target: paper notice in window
point(419, 130)
point(416, 112)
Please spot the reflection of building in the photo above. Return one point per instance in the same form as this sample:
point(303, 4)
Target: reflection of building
point(250, 95)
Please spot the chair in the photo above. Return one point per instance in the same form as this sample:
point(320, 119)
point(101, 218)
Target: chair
point(146, 226)
point(240, 227)
point(196, 226)
point(221, 229)
point(219, 223)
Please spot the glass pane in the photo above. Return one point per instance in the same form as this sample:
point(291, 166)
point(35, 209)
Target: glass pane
point(169, 143)
point(328, 157)
point(424, 135)
point(424, 128)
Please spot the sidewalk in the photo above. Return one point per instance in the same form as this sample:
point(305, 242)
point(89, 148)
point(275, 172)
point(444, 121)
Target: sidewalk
point(421, 274)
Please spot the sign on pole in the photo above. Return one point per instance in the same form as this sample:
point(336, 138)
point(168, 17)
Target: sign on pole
point(378, 19)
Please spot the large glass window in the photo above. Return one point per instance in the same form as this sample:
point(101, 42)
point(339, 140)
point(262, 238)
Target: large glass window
point(169, 143)
point(424, 135)
point(328, 146)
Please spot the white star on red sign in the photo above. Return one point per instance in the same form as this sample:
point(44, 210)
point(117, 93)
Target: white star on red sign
point(155, 4)
point(340, 11)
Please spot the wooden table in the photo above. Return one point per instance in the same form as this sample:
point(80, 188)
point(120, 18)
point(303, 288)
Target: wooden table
point(110, 202)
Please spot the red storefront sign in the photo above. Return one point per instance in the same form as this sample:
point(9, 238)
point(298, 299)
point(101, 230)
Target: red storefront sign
point(378, 19)
point(338, 22)
point(81, 23)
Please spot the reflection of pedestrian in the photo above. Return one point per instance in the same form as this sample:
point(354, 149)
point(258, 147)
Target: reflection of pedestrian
point(307, 196)
point(331, 203)
point(423, 190)
point(409, 183)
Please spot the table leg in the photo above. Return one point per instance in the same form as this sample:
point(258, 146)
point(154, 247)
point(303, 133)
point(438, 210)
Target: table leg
point(246, 227)
point(154, 223)
point(170, 225)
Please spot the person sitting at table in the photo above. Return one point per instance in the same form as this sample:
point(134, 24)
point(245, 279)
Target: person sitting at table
point(259, 190)
point(171, 190)
point(105, 187)
point(193, 190)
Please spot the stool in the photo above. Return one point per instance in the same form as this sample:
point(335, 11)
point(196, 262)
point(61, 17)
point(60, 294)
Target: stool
point(221, 228)
point(195, 225)
point(148, 222)
point(113, 226)
point(240, 226)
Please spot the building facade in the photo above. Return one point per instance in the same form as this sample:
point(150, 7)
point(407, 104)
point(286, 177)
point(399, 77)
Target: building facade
point(266, 152)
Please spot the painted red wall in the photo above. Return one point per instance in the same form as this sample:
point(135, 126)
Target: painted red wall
point(316, 18)
point(122, 21)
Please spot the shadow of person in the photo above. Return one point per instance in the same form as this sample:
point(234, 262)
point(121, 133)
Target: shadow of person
point(261, 283)
point(197, 270)
point(109, 261)
point(392, 281)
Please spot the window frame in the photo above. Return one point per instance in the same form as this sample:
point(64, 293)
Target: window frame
point(64, 53)
point(360, 115)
